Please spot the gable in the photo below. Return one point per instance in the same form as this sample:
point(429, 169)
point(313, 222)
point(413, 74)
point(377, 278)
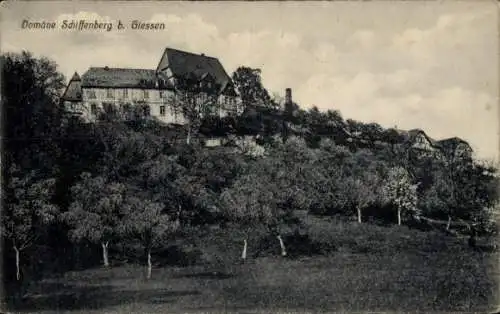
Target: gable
point(194, 67)
point(419, 140)
point(462, 149)
point(73, 91)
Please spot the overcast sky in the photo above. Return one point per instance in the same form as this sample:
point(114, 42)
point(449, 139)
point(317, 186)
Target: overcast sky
point(410, 64)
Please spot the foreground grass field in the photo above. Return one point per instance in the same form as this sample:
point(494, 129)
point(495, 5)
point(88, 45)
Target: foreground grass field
point(354, 268)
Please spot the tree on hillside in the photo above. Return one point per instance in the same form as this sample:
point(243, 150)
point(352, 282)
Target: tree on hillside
point(194, 101)
point(146, 221)
point(331, 174)
point(401, 192)
point(32, 115)
point(95, 213)
point(439, 199)
point(27, 209)
point(476, 189)
point(363, 177)
point(125, 149)
point(362, 192)
point(186, 194)
point(334, 116)
point(250, 202)
point(354, 126)
point(219, 168)
point(372, 131)
point(263, 121)
point(185, 103)
point(393, 138)
point(272, 188)
point(248, 81)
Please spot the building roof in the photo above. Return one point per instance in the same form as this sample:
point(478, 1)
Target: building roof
point(73, 91)
point(450, 144)
point(183, 64)
point(119, 78)
point(75, 77)
point(410, 135)
point(447, 145)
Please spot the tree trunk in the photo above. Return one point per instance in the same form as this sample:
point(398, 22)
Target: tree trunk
point(244, 253)
point(105, 253)
point(358, 209)
point(18, 271)
point(449, 223)
point(178, 218)
point(188, 138)
point(148, 274)
point(399, 217)
point(282, 245)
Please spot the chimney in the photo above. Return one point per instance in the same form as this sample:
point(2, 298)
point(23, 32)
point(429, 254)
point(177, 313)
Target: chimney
point(288, 96)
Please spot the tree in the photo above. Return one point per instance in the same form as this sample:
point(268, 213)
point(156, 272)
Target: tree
point(146, 221)
point(361, 192)
point(372, 131)
point(393, 138)
point(439, 199)
point(248, 82)
point(400, 191)
point(363, 176)
point(95, 213)
point(32, 113)
point(251, 202)
point(28, 208)
point(195, 100)
point(329, 178)
point(124, 149)
point(186, 104)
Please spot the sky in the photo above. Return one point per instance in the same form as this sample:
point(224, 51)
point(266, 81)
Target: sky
point(431, 65)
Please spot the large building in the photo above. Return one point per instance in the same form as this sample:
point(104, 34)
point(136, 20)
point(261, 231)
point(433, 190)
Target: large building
point(129, 94)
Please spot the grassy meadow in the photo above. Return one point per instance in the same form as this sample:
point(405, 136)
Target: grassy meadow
point(339, 266)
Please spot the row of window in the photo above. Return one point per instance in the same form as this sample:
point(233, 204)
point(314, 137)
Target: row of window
point(202, 97)
point(126, 109)
point(111, 95)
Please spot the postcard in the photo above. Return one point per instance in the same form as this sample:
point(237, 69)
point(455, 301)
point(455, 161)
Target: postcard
point(249, 157)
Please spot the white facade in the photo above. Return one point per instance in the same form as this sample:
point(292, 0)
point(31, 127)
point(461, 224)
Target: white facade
point(128, 103)
point(146, 93)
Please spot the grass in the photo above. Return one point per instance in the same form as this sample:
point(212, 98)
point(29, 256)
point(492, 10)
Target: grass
point(354, 268)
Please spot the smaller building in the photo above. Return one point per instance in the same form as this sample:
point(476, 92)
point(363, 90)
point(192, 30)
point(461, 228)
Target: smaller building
point(455, 148)
point(450, 149)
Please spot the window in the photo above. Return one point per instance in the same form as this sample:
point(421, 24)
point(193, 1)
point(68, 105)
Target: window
point(125, 93)
point(109, 93)
point(93, 109)
point(126, 108)
point(162, 110)
point(91, 94)
point(108, 108)
point(146, 111)
point(146, 94)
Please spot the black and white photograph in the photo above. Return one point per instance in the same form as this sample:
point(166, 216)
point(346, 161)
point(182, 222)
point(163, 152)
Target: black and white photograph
point(249, 156)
